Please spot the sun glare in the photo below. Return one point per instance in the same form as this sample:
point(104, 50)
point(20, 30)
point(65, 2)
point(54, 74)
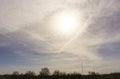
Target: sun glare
point(66, 22)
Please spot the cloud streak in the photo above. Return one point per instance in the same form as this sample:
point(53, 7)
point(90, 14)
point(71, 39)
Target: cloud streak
point(25, 30)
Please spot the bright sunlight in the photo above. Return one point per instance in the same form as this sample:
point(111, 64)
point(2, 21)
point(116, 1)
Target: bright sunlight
point(66, 23)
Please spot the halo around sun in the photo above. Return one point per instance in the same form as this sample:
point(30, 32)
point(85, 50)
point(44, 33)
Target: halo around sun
point(67, 22)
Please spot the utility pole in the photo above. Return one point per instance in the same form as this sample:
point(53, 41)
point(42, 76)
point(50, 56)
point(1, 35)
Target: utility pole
point(82, 67)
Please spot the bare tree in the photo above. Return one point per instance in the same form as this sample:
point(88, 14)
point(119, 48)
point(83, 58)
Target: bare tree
point(56, 73)
point(15, 73)
point(44, 72)
point(93, 73)
point(30, 73)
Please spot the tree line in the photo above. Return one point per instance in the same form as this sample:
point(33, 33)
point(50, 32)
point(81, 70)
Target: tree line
point(46, 74)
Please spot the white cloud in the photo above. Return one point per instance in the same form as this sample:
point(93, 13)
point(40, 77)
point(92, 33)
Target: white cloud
point(27, 27)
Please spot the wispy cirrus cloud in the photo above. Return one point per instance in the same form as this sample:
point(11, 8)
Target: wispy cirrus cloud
point(26, 35)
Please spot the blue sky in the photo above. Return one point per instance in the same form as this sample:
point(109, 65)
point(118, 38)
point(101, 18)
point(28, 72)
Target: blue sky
point(28, 40)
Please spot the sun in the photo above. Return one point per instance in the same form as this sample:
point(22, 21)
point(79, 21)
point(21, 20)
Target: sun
point(66, 23)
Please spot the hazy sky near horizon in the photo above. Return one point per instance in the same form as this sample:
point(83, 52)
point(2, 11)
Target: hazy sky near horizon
point(29, 42)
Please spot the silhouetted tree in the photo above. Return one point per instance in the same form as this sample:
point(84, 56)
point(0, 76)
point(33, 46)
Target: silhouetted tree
point(30, 73)
point(44, 72)
point(76, 74)
point(93, 73)
point(15, 73)
point(56, 73)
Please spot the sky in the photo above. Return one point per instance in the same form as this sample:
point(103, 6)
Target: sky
point(30, 41)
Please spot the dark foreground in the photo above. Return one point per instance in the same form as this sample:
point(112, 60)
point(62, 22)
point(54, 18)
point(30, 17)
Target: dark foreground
point(61, 77)
point(46, 74)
